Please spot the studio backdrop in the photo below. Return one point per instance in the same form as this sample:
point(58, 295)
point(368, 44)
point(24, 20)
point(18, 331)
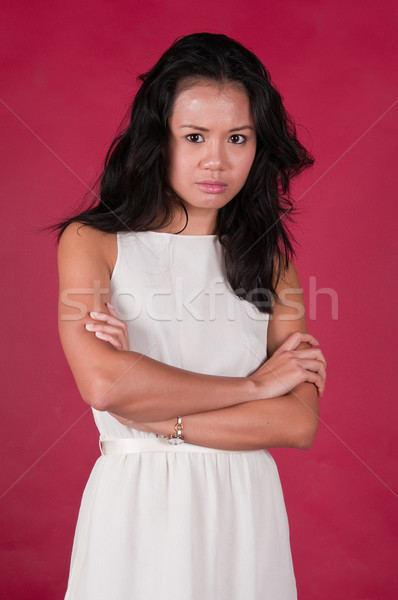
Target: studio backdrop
point(69, 74)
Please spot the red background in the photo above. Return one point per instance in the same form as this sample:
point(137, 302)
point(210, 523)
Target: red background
point(69, 76)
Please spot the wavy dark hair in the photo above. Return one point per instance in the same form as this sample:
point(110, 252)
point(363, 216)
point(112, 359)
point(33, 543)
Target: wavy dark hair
point(134, 191)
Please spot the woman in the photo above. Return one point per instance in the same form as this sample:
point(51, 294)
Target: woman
point(205, 361)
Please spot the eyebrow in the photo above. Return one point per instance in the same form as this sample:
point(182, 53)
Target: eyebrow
point(191, 126)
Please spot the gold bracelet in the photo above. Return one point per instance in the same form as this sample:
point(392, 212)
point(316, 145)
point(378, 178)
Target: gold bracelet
point(177, 437)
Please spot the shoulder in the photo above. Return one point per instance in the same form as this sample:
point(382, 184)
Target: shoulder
point(288, 277)
point(82, 242)
point(84, 236)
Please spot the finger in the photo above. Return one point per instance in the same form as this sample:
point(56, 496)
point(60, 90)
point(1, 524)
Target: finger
point(297, 338)
point(321, 388)
point(101, 316)
point(313, 365)
point(319, 381)
point(314, 378)
point(313, 353)
point(322, 374)
point(105, 328)
point(116, 336)
point(106, 318)
point(109, 338)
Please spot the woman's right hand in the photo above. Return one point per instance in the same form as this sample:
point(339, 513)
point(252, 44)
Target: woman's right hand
point(290, 366)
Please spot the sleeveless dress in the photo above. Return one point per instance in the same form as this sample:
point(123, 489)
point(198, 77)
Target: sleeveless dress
point(181, 522)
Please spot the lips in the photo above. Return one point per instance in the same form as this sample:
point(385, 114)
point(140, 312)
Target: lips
point(212, 186)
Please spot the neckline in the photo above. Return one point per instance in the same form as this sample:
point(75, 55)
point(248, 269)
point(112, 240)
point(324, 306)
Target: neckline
point(180, 235)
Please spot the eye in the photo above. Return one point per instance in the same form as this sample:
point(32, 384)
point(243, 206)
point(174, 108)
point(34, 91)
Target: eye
point(195, 138)
point(237, 138)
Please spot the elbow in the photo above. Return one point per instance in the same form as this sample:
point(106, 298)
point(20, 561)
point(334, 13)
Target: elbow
point(305, 443)
point(307, 417)
point(307, 435)
point(103, 395)
point(94, 398)
point(96, 392)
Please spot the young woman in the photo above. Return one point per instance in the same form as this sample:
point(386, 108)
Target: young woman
point(203, 360)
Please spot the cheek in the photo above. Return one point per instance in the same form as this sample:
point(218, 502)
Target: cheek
point(178, 165)
point(245, 166)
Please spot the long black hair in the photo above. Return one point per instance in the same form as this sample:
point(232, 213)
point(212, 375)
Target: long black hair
point(134, 191)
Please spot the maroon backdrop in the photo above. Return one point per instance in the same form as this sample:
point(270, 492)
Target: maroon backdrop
point(69, 76)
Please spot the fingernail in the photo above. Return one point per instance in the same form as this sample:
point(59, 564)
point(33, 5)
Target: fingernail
point(90, 326)
point(110, 305)
point(94, 315)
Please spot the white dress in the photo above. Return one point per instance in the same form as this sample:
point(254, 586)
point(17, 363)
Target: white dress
point(181, 522)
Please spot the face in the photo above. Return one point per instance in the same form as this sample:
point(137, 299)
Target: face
point(211, 149)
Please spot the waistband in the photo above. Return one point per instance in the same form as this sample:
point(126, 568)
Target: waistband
point(152, 444)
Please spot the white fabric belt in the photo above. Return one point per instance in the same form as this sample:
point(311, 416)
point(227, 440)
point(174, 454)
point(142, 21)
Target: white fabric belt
point(152, 444)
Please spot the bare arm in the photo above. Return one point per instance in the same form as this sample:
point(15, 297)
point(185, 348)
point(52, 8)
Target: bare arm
point(290, 420)
point(126, 382)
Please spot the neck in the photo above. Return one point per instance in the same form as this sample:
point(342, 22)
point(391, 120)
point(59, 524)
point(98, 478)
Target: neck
point(198, 224)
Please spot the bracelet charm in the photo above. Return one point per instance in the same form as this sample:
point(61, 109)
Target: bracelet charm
point(177, 437)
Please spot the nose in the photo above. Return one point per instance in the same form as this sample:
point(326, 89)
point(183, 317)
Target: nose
point(214, 156)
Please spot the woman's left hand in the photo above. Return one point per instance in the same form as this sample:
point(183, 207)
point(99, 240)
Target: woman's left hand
point(110, 328)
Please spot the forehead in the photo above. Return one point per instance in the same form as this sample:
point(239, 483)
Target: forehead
point(211, 101)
